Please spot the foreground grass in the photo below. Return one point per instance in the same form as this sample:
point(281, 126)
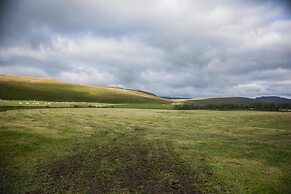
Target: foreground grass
point(144, 151)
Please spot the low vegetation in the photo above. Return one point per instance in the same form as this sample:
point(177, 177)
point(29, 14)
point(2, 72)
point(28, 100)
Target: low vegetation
point(19, 104)
point(109, 150)
point(263, 106)
point(267, 103)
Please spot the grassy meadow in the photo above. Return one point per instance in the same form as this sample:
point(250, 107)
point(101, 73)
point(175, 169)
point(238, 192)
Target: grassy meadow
point(28, 104)
point(112, 150)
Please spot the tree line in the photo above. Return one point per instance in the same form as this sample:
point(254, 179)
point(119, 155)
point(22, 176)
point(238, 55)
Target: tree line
point(236, 106)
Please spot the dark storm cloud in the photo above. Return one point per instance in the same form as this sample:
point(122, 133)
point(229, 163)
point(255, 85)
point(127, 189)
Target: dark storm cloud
point(173, 48)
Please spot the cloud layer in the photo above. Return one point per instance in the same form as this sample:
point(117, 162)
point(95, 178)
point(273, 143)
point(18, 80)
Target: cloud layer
point(180, 48)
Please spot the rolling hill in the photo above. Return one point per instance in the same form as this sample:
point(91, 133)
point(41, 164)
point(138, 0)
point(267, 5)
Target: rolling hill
point(46, 89)
point(273, 99)
point(238, 100)
point(221, 100)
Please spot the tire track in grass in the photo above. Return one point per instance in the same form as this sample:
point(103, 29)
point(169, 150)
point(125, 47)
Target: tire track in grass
point(128, 163)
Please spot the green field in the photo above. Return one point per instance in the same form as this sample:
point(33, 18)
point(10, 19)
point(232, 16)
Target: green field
point(27, 104)
point(111, 150)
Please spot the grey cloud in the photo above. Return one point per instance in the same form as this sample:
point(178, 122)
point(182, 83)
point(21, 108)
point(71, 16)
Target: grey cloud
point(169, 47)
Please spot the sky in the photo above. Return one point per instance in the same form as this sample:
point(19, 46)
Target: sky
point(174, 48)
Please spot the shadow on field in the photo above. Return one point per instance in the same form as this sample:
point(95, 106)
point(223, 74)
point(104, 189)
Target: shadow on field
point(113, 162)
point(127, 164)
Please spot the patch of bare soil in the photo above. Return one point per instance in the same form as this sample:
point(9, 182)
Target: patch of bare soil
point(135, 166)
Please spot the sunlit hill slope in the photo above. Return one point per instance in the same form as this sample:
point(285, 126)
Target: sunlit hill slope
point(31, 88)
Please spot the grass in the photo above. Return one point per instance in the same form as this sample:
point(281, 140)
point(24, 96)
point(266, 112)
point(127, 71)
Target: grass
point(27, 88)
point(144, 106)
point(20, 104)
point(29, 103)
point(144, 151)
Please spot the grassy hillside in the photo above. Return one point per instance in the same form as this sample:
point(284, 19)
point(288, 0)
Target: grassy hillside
point(30, 88)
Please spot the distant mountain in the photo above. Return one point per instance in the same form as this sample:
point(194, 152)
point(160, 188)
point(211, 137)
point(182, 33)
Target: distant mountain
point(273, 99)
point(31, 88)
point(238, 100)
point(221, 100)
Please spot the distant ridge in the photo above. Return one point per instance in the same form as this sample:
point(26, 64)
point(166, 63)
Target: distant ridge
point(175, 98)
point(221, 100)
point(273, 99)
point(238, 100)
point(14, 87)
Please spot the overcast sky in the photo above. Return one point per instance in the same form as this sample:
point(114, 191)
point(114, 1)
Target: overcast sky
point(183, 48)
